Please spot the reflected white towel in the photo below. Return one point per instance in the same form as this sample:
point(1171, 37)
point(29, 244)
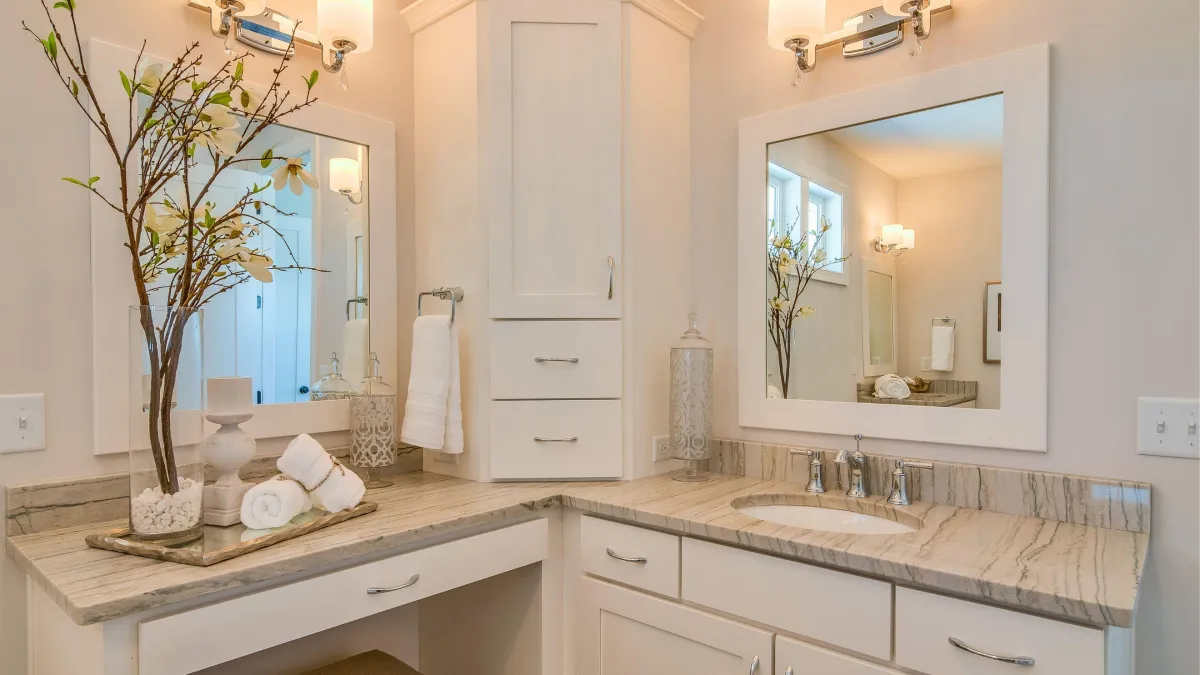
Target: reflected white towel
point(273, 503)
point(942, 350)
point(333, 487)
point(433, 412)
point(356, 336)
point(891, 386)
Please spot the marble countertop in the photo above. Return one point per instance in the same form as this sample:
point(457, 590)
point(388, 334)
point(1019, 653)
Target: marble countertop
point(921, 398)
point(1076, 572)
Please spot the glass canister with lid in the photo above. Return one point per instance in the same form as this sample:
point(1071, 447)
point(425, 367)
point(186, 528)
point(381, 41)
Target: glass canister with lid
point(373, 426)
point(331, 386)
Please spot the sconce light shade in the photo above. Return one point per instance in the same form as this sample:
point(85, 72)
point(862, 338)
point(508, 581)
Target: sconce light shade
point(896, 7)
point(349, 20)
point(343, 175)
point(909, 240)
point(788, 19)
point(892, 235)
point(250, 7)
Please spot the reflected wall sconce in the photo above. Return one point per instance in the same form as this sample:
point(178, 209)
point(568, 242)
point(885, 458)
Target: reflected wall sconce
point(895, 239)
point(343, 26)
point(345, 178)
point(798, 26)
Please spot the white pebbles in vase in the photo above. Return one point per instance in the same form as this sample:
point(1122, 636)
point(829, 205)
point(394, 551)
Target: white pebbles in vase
point(153, 512)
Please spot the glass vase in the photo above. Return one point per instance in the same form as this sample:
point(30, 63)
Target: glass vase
point(691, 401)
point(166, 425)
point(373, 426)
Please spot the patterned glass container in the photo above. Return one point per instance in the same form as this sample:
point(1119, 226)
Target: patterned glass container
point(691, 400)
point(331, 386)
point(373, 426)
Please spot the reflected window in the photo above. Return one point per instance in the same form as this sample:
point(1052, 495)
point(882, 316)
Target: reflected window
point(799, 206)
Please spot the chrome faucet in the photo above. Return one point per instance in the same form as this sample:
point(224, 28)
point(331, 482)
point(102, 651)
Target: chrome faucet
point(858, 466)
point(899, 496)
point(816, 470)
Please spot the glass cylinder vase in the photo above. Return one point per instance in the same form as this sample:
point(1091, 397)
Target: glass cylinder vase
point(166, 425)
point(373, 426)
point(691, 401)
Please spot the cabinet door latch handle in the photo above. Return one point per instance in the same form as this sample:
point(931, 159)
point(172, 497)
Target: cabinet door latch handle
point(611, 265)
point(1015, 660)
point(376, 590)
point(550, 359)
point(543, 439)
point(754, 666)
point(637, 561)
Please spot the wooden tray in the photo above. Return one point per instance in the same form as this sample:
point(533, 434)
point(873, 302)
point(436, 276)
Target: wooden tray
point(223, 543)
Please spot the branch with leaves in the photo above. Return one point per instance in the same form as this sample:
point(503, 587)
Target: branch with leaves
point(792, 263)
point(183, 249)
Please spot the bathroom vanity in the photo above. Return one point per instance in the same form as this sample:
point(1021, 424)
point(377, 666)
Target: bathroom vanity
point(631, 578)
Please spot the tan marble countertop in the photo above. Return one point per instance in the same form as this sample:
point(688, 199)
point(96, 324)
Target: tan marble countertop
point(1076, 572)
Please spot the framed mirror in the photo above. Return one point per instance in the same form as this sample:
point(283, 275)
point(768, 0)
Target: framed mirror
point(279, 334)
point(882, 213)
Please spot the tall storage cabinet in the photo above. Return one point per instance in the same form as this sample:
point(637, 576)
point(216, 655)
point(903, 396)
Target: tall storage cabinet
point(552, 175)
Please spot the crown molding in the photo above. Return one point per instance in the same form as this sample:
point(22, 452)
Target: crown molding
point(424, 13)
point(671, 12)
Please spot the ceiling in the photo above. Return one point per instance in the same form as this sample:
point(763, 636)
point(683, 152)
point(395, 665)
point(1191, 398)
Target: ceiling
point(956, 137)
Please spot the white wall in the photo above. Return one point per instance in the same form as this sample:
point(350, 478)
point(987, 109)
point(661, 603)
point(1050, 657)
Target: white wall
point(957, 219)
point(44, 240)
point(1124, 290)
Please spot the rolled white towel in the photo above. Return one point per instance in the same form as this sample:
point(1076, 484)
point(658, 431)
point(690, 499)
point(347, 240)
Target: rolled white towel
point(274, 503)
point(333, 487)
point(891, 386)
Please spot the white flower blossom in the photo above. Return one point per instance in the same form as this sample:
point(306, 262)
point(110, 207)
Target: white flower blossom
point(292, 175)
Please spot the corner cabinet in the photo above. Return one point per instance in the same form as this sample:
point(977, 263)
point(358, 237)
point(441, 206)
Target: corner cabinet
point(552, 170)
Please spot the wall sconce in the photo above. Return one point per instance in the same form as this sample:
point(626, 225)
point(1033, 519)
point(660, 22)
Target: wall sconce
point(343, 26)
point(798, 26)
point(345, 179)
point(895, 239)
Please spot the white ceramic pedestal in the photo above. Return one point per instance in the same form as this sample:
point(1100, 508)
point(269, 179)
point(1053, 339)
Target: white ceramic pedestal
point(228, 449)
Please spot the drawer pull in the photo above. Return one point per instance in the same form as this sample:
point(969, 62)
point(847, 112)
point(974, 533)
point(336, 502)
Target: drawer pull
point(611, 264)
point(789, 671)
point(1015, 660)
point(375, 590)
point(754, 666)
point(547, 359)
point(636, 561)
point(568, 439)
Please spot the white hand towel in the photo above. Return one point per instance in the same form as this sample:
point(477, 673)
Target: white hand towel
point(942, 349)
point(355, 338)
point(433, 412)
point(273, 503)
point(891, 386)
point(333, 487)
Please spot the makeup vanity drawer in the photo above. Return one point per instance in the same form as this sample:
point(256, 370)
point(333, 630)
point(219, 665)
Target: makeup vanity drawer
point(556, 359)
point(537, 440)
point(925, 624)
point(630, 555)
point(836, 608)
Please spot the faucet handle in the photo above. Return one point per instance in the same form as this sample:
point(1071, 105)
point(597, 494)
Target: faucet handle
point(899, 496)
point(816, 469)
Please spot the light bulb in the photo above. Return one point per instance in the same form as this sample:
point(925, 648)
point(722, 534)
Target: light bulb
point(892, 235)
point(790, 19)
point(346, 20)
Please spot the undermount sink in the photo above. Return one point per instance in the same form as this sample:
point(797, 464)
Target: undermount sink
point(826, 518)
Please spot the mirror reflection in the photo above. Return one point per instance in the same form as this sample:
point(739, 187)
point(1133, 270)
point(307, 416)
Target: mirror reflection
point(312, 221)
point(883, 260)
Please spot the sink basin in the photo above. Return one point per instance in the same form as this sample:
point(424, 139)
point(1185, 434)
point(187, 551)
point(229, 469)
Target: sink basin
point(825, 517)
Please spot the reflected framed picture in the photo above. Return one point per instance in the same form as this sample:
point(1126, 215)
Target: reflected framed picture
point(993, 321)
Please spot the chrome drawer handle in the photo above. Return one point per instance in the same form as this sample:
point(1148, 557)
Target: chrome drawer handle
point(547, 359)
point(1015, 660)
point(754, 666)
point(375, 590)
point(789, 671)
point(611, 264)
point(637, 561)
point(568, 439)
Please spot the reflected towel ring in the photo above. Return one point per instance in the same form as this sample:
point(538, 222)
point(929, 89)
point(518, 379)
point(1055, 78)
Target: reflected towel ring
point(943, 320)
point(454, 294)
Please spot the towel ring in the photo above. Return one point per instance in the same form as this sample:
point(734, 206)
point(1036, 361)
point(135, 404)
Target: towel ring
point(361, 300)
point(454, 294)
point(943, 320)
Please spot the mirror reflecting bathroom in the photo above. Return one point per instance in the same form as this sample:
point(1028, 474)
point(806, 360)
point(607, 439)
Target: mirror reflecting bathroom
point(282, 325)
point(883, 260)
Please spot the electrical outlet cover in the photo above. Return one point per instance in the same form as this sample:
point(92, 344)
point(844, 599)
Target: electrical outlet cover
point(660, 446)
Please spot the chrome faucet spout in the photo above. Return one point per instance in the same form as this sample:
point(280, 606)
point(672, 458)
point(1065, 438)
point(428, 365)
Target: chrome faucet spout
point(858, 464)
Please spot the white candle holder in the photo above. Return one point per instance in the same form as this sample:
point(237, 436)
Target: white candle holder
point(228, 449)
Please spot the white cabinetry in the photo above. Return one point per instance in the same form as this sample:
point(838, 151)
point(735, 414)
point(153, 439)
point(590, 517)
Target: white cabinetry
point(798, 658)
point(625, 632)
point(552, 166)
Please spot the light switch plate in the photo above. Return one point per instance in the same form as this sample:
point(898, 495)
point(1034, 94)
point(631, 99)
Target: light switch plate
point(1169, 427)
point(22, 423)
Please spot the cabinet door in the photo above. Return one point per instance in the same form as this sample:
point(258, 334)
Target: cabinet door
point(623, 632)
point(554, 171)
point(798, 658)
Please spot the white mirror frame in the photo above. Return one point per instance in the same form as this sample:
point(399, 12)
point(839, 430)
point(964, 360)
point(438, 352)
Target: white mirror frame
point(112, 289)
point(1020, 423)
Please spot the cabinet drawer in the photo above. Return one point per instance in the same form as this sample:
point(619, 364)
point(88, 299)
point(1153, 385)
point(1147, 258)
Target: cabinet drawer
point(806, 659)
point(651, 559)
point(556, 359)
point(925, 623)
point(196, 639)
point(832, 607)
point(555, 439)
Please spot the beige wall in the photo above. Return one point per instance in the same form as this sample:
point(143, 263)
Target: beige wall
point(957, 219)
point(44, 238)
point(1118, 125)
